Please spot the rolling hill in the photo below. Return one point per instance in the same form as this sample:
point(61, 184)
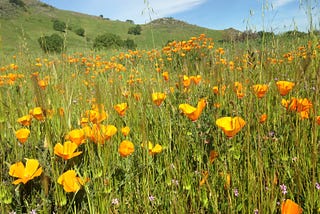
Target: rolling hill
point(22, 22)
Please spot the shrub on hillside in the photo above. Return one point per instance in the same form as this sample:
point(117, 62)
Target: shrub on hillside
point(108, 40)
point(80, 31)
point(59, 25)
point(53, 43)
point(19, 3)
point(136, 30)
point(129, 44)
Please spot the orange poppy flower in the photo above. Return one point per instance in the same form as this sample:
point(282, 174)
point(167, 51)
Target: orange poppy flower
point(215, 89)
point(290, 207)
point(121, 108)
point(27, 173)
point(192, 112)
point(260, 90)
point(97, 114)
point(301, 106)
point(66, 151)
point(263, 118)
point(37, 113)
point(165, 75)
point(152, 149)
point(158, 98)
point(25, 120)
point(70, 181)
point(239, 89)
point(318, 120)
point(204, 179)
point(126, 148)
point(22, 135)
point(125, 131)
point(43, 84)
point(186, 81)
point(284, 87)
point(77, 136)
point(213, 155)
point(101, 133)
point(196, 79)
point(230, 126)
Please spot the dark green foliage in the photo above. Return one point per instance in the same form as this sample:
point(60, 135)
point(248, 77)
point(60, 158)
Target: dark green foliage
point(130, 21)
point(129, 43)
point(136, 30)
point(59, 25)
point(53, 43)
point(19, 3)
point(108, 40)
point(80, 31)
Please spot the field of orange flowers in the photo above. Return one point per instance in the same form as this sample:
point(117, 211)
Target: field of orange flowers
point(190, 128)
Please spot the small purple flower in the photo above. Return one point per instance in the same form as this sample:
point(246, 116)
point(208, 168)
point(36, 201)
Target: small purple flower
point(236, 192)
point(284, 189)
point(272, 134)
point(256, 211)
point(151, 198)
point(115, 201)
point(317, 186)
point(33, 212)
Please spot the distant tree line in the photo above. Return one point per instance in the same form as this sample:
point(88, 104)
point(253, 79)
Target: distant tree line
point(238, 36)
point(55, 43)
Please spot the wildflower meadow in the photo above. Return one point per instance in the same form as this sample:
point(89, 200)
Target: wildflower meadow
point(193, 127)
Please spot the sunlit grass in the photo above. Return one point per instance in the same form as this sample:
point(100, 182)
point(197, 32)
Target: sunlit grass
point(181, 151)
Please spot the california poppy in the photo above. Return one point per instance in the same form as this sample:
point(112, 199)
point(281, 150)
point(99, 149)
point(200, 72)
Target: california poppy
point(43, 84)
point(284, 87)
point(67, 150)
point(196, 79)
point(70, 181)
point(97, 114)
point(25, 120)
point(27, 173)
point(76, 136)
point(152, 149)
point(158, 98)
point(125, 130)
point(263, 118)
point(290, 207)
point(121, 108)
point(191, 112)
point(37, 113)
point(260, 90)
point(101, 133)
point(165, 75)
point(126, 148)
point(213, 156)
point(318, 120)
point(22, 135)
point(230, 126)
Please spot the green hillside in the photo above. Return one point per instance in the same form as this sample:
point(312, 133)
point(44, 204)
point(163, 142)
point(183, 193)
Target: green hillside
point(22, 25)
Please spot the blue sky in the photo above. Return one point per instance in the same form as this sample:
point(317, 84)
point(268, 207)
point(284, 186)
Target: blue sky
point(268, 15)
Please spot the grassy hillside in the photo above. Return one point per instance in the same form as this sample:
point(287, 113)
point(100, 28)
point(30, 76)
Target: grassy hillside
point(20, 28)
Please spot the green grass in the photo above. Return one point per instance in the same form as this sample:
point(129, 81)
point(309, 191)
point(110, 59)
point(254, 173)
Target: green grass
point(22, 30)
point(250, 167)
point(260, 158)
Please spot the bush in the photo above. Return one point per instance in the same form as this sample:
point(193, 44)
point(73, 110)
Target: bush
point(59, 25)
point(80, 31)
point(136, 30)
point(53, 43)
point(108, 40)
point(19, 3)
point(129, 43)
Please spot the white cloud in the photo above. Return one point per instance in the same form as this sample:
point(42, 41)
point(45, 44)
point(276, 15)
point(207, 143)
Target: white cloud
point(279, 3)
point(140, 10)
